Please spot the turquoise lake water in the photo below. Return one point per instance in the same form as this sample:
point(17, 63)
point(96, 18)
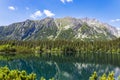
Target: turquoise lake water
point(60, 70)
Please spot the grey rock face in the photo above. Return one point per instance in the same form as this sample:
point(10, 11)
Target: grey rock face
point(67, 28)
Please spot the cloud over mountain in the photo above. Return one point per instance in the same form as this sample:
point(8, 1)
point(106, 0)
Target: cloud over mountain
point(63, 1)
point(48, 13)
point(11, 8)
point(115, 20)
point(36, 14)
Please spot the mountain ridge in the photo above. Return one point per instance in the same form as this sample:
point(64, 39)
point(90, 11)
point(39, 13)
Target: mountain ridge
point(67, 28)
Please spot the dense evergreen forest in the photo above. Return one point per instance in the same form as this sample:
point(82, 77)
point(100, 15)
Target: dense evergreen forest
point(86, 51)
point(61, 47)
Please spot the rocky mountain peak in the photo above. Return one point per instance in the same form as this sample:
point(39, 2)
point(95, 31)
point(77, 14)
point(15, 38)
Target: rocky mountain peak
point(68, 28)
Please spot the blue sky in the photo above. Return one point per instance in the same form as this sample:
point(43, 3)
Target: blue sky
point(19, 10)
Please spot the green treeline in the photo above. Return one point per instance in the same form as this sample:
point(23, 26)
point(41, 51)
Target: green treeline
point(61, 47)
point(105, 52)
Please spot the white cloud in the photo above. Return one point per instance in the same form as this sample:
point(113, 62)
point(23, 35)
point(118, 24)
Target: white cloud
point(115, 20)
point(27, 8)
point(11, 8)
point(69, 0)
point(118, 28)
point(48, 13)
point(37, 14)
point(63, 1)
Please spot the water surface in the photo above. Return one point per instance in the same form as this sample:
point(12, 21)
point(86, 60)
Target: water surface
point(66, 70)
